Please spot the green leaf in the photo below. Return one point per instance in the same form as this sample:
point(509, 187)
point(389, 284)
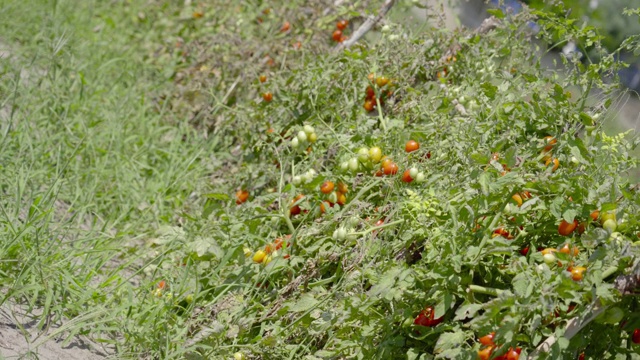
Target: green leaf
point(449, 340)
point(443, 305)
point(305, 303)
point(497, 12)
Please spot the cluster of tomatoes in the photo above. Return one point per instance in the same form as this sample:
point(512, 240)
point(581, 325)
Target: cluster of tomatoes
point(547, 154)
point(338, 34)
point(268, 95)
point(270, 251)
point(442, 74)
point(368, 158)
point(370, 100)
point(490, 346)
point(304, 137)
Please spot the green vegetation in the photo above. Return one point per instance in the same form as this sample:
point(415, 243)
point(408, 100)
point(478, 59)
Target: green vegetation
point(151, 189)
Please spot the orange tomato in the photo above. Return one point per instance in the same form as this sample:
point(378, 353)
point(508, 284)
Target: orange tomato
point(267, 96)
point(342, 24)
point(411, 146)
point(556, 163)
point(577, 273)
point(565, 228)
point(406, 176)
point(549, 142)
point(263, 78)
point(285, 27)
point(326, 187)
point(241, 196)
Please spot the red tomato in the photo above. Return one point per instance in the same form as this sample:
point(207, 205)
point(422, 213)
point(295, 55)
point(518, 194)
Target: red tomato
point(342, 24)
point(390, 168)
point(411, 146)
point(406, 177)
point(513, 354)
point(565, 228)
point(371, 94)
point(426, 318)
point(285, 27)
point(524, 251)
point(267, 96)
point(337, 35)
point(636, 336)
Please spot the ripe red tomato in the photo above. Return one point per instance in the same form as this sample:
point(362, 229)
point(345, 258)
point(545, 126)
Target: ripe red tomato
point(390, 168)
point(524, 251)
point(488, 339)
point(342, 24)
point(636, 336)
point(502, 232)
point(411, 146)
point(581, 356)
point(337, 35)
point(285, 27)
point(371, 94)
point(162, 284)
point(241, 196)
point(406, 176)
point(267, 96)
point(326, 187)
point(426, 318)
point(513, 354)
point(565, 228)
point(295, 209)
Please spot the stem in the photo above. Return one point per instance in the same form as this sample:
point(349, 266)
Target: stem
point(485, 290)
point(371, 229)
point(366, 26)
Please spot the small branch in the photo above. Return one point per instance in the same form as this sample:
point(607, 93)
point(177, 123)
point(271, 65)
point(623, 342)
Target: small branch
point(484, 290)
point(486, 26)
point(573, 327)
point(623, 283)
point(366, 26)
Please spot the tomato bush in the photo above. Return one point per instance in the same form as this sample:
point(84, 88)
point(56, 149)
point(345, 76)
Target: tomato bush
point(505, 157)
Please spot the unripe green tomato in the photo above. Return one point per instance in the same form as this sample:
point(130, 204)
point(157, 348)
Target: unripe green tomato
point(313, 137)
point(302, 136)
point(307, 178)
point(353, 164)
point(309, 130)
point(354, 221)
point(385, 28)
point(239, 356)
point(375, 154)
point(312, 172)
point(549, 259)
point(295, 143)
point(340, 234)
point(610, 225)
point(363, 154)
point(189, 298)
point(296, 180)
point(623, 224)
point(413, 172)
point(608, 215)
point(344, 166)
point(394, 37)
point(420, 177)
point(333, 197)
